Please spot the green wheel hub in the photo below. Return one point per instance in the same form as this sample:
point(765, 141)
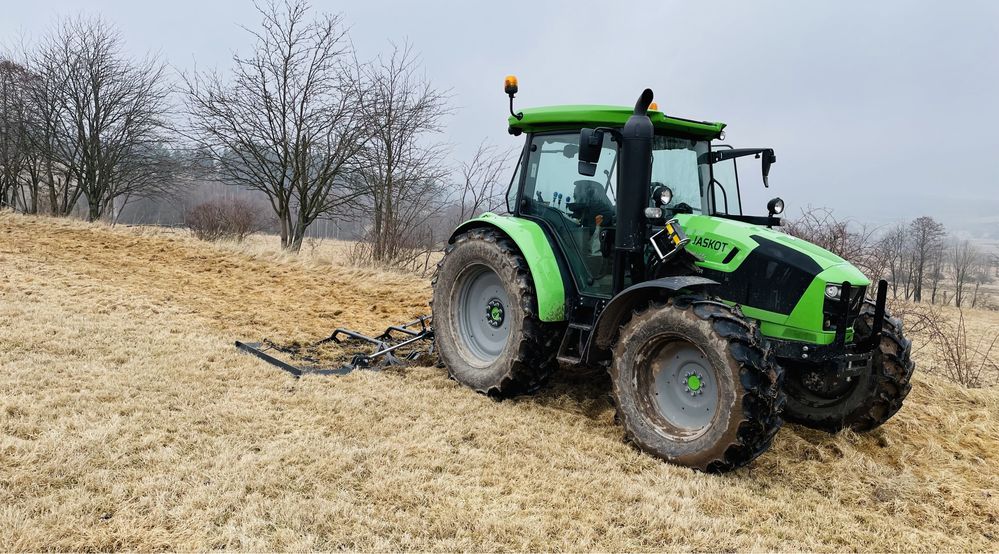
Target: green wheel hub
point(495, 312)
point(694, 383)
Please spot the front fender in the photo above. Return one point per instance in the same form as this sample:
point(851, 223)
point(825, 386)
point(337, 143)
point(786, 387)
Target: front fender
point(533, 244)
point(613, 315)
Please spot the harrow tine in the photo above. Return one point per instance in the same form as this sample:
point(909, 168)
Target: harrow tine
point(405, 328)
point(254, 348)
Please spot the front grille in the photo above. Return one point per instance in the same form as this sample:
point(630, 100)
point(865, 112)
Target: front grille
point(831, 309)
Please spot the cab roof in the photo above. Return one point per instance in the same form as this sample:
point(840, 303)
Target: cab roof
point(550, 118)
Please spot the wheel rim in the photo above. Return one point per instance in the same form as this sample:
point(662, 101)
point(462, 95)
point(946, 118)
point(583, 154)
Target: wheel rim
point(682, 387)
point(481, 312)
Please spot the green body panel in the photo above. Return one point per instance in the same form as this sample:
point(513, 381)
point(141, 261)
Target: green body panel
point(713, 238)
point(574, 117)
point(534, 245)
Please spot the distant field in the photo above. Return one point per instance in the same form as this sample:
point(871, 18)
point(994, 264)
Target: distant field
point(129, 421)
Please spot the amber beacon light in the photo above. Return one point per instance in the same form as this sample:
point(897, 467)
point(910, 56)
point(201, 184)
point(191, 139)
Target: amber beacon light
point(510, 84)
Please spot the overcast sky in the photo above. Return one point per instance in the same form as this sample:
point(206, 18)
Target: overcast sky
point(880, 110)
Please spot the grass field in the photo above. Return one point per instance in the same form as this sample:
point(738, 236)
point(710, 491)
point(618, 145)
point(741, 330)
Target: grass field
point(129, 421)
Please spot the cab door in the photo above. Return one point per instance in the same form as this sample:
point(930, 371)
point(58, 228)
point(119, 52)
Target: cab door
point(573, 207)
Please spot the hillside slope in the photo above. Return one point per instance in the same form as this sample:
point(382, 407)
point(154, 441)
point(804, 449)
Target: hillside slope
point(128, 421)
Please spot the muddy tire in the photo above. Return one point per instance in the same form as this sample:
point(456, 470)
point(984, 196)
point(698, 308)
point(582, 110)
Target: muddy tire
point(694, 385)
point(485, 315)
point(868, 401)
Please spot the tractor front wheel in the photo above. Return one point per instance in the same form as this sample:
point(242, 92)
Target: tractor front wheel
point(486, 325)
point(695, 386)
point(862, 403)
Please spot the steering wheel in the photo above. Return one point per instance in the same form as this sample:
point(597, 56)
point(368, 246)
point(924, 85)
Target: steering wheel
point(682, 208)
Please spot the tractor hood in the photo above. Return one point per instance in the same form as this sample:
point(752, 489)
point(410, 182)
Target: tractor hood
point(779, 276)
point(821, 256)
point(715, 238)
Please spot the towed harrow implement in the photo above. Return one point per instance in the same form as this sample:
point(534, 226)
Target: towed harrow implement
point(393, 340)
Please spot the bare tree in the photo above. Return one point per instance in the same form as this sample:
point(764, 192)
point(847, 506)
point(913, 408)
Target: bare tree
point(52, 142)
point(102, 115)
point(33, 131)
point(404, 173)
point(13, 131)
point(963, 259)
point(936, 275)
point(288, 121)
point(925, 238)
point(892, 245)
point(484, 181)
point(980, 275)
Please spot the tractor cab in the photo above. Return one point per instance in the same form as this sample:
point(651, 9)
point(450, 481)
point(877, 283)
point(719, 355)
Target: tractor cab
point(689, 176)
point(581, 210)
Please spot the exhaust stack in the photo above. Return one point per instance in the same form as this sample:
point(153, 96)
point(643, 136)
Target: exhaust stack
point(634, 177)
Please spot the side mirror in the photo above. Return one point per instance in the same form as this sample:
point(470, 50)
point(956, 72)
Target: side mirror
point(768, 158)
point(590, 143)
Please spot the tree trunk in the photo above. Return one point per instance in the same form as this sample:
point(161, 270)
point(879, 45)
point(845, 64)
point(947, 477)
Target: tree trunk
point(282, 216)
point(34, 187)
point(296, 239)
point(376, 242)
point(93, 210)
point(53, 197)
point(917, 290)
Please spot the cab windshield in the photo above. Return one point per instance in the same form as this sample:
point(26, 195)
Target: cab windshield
point(681, 164)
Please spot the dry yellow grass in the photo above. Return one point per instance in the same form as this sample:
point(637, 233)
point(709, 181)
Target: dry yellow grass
point(128, 421)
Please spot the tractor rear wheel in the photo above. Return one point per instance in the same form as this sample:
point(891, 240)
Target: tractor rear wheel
point(694, 385)
point(486, 326)
point(860, 404)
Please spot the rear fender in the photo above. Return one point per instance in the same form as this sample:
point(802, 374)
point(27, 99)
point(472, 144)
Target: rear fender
point(619, 309)
point(533, 244)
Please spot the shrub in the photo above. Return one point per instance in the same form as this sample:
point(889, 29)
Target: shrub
point(220, 220)
point(966, 362)
point(918, 318)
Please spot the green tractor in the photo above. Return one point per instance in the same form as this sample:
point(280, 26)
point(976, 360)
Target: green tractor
point(626, 247)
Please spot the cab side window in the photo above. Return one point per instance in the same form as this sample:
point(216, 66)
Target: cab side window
point(576, 207)
point(724, 191)
point(511, 191)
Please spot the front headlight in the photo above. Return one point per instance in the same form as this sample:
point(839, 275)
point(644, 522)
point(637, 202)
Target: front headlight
point(833, 291)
